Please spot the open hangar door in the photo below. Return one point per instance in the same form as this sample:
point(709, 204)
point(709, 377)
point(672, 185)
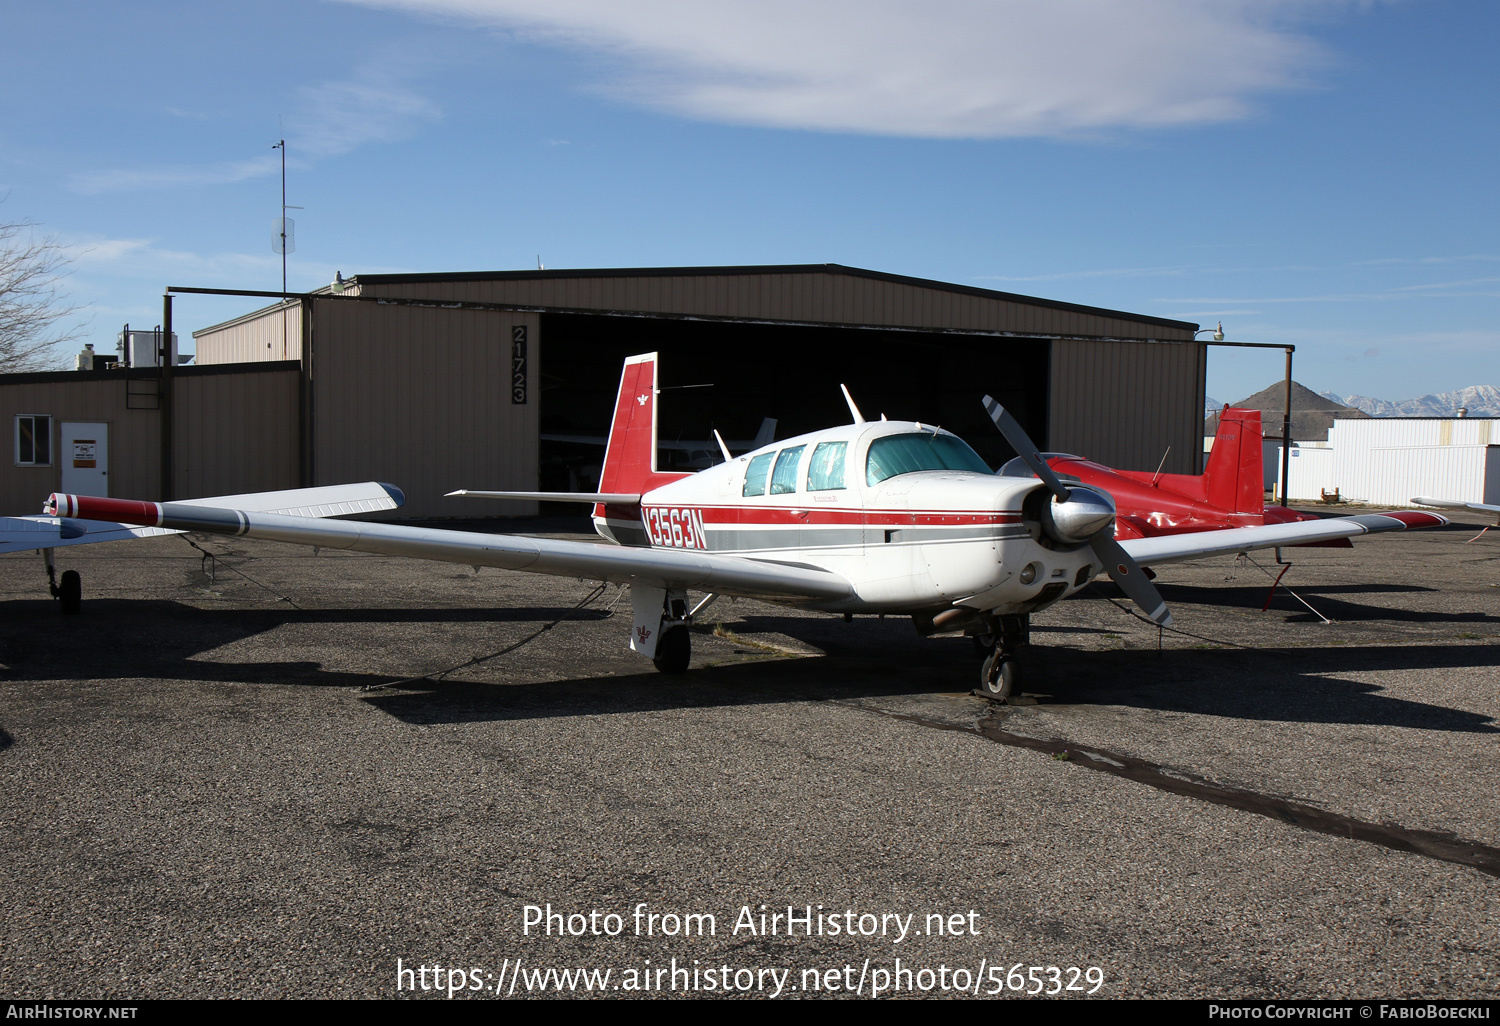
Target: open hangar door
point(788, 372)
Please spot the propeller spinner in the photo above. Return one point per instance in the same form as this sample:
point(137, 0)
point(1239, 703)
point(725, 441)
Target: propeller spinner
point(1081, 515)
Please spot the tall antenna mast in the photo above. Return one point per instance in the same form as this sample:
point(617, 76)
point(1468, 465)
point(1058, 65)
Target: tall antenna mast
point(284, 241)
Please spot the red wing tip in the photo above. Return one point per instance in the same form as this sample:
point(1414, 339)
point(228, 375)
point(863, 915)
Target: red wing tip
point(1418, 518)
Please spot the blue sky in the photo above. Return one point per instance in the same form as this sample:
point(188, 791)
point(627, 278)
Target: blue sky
point(1319, 172)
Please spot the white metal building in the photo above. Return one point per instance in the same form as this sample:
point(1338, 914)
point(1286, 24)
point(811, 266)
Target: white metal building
point(1387, 461)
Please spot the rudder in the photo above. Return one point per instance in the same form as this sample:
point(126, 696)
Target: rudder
point(630, 452)
point(1234, 478)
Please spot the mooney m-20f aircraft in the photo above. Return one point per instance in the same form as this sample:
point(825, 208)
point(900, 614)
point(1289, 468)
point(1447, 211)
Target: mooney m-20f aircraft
point(889, 517)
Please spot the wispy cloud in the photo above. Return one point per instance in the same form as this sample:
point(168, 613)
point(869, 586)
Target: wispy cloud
point(1437, 290)
point(329, 119)
point(186, 175)
point(1116, 272)
point(934, 68)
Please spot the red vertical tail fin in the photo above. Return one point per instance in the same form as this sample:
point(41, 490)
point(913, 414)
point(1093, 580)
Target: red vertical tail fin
point(630, 453)
point(1234, 478)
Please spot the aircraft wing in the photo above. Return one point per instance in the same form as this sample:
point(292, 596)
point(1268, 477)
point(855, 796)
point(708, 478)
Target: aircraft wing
point(1477, 507)
point(18, 534)
point(1177, 547)
point(667, 568)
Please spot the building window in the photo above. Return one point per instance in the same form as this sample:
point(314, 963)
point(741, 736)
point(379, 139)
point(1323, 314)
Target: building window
point(33, 440)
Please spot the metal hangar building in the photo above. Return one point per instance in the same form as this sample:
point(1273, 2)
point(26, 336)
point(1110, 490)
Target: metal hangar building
point(506, 380)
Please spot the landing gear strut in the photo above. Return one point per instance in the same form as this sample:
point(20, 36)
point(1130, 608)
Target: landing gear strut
point(1000, 673)
point(661, 629)
point(69, 591)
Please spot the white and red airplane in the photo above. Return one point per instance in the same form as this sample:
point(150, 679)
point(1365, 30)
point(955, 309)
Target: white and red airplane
point(888, 517)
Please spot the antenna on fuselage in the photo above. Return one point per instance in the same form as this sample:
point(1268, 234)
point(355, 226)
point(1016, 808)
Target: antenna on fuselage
point(859, 418)
point(722, 447)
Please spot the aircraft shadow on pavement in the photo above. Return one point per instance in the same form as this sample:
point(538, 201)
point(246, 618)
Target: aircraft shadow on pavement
point(1253, 597)
point(867, 659)
point(1277, 685)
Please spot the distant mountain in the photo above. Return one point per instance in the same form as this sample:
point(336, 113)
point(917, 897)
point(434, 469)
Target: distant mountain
point(1211, 405)
point(1479, 400)
point(1312, 414)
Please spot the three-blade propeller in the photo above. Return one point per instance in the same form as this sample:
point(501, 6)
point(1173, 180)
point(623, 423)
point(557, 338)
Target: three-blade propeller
point(1122, 569)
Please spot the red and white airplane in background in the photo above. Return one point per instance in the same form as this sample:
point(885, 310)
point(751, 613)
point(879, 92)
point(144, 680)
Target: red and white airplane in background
point(1229, 493)
point(888, 517)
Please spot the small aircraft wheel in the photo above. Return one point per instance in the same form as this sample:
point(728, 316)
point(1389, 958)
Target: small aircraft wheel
point(674, 651)
point(999, 676)
point(70, 593)
point(983, 644)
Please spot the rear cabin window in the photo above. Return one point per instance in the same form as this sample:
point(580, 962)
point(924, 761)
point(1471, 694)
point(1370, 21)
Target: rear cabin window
point(907, 454)
point(825, 472)
point(784, 477)
point(756, 473)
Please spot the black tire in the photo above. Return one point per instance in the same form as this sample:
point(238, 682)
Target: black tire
point(70, 593)
point(999, 676)
point(983, 644)
point(674, 651)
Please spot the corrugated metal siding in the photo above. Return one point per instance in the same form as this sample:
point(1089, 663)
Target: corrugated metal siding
point(1394, 475)
point(420, 397)
point(819, 298)
point(134, 438)
point(253, 339)
point(1404, 431)
point(235, 432)
point(1124, 403)
point(1309, 474)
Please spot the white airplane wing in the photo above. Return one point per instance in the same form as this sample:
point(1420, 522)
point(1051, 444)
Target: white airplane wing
point(1478, 507)
point(664, 568)
point(1173, 548)
point(18, 534)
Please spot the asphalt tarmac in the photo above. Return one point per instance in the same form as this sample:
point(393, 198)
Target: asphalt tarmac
point(199, 798)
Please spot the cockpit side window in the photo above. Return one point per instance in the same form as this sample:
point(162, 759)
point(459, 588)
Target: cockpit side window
point(784, 477)
point(825, 472)
point(756, 473)
point(908, 454)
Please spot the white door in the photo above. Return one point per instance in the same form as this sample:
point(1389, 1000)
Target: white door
point(85, 458)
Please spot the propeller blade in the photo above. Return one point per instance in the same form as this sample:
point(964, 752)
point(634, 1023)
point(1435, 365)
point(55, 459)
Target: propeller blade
point(1016, 435)
point(1125, 572)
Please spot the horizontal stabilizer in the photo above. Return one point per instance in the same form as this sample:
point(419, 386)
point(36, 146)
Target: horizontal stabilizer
point(612, 498)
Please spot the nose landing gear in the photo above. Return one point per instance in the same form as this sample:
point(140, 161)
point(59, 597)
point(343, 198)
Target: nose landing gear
point(1000, 673)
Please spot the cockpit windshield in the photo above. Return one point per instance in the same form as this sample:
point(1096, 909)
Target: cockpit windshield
point(907, 454)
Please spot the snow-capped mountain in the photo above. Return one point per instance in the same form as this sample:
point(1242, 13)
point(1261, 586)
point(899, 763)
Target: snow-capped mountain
point(1211, 405)
point(1479, 400)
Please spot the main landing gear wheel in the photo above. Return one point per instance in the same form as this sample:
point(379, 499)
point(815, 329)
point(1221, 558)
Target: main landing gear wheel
point(70, 593)
point(999, 675)
point(674, 651)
